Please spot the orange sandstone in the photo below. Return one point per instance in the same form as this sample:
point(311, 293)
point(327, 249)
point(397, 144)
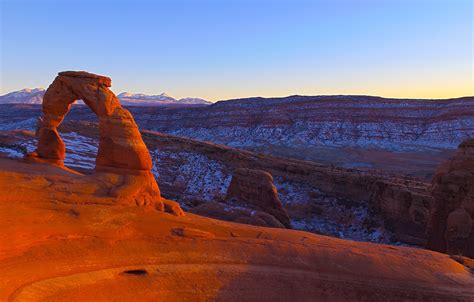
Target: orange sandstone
point(60, 242)
point(123, 161)
point(255, 188)
point(64, 239)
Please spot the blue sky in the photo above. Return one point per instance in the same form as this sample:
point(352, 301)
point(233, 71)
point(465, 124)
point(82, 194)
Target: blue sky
point(230, 49)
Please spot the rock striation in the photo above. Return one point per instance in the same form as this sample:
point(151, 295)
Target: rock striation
point(403, 136)
point(350, 131)
point(451, 227)
point(122, 159)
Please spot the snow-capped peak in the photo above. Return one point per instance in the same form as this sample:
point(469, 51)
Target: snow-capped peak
point(35, 96)
point(29, 90)
point(25, 96)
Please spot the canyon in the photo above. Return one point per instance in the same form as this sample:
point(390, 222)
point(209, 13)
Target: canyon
point(410, 137)
point(348, 203)
point(78, 181)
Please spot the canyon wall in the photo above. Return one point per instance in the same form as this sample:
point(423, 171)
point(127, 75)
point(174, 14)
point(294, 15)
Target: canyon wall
point(410, 137)
point(363, 121)
point(451, 227)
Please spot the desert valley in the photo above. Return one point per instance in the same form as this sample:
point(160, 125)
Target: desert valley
point(236, 151)
point(339, 197)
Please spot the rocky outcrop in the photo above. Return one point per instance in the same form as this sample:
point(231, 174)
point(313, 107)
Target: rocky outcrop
point(451, 227)
point(251, 198)
point(122, 159)
point(313, 120)
point(405, 208)
point(255, 189)
point(307, 190)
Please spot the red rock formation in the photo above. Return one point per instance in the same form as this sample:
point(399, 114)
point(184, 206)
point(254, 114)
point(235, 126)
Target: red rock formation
point(405, 207)
point(252, 198)
point(255, 188)
point(123, 158)
point(451, 228)
point(55, 249)
point(403, 202)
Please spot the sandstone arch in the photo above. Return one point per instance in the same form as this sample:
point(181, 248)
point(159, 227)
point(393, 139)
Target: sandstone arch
point(122, 158)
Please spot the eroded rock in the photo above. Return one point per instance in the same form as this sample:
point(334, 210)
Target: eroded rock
point(404, 207)
point(451, 228)
point(255, 188)
point(123, 162)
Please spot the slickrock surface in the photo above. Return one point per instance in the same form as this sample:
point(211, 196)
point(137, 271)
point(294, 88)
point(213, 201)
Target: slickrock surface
point(122, 160)
point(236, 213)
point(451, 227)
point(53, 248)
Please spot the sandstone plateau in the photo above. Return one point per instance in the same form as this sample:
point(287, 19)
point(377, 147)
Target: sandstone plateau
point(404, 136)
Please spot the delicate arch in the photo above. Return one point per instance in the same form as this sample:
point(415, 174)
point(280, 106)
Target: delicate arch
point(123, 163)
point(120, 143)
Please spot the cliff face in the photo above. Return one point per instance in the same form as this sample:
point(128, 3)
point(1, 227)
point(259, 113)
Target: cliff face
point(363, 121)
point(405, 207)
point(451, 227)
point(307, 190)
point(402, 136)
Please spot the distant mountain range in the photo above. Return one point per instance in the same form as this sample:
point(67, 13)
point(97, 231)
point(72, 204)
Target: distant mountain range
point(35, 96)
